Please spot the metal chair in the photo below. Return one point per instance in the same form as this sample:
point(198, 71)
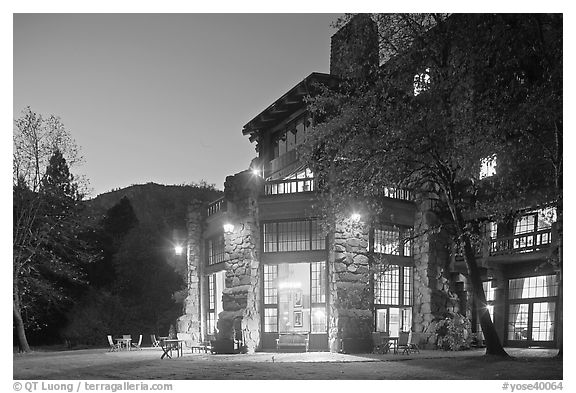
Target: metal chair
point(155, 342)
point(137, 346)
point(404, 342)
point(380, 342)
point(113, 346)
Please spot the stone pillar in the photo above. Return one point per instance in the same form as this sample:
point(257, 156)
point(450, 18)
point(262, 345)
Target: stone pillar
point(432, 295)
point(349, 287)
point(190, 322)
point(241, 295)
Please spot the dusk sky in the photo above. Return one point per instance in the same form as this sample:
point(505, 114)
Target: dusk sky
point(162, 97)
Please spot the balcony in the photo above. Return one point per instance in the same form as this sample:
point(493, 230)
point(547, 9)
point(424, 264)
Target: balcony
point(522, 243)
point(216, 206)
point(398, 193)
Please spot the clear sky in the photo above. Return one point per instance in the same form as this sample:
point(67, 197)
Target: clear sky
point(162, 97)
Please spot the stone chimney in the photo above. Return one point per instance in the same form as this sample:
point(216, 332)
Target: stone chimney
point(354, 48)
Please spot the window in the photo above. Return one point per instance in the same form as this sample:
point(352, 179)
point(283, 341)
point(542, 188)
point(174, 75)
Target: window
point(318, 296)
point(533, 287)
point(318, 278)
point(270, 298)
point(301, 181)
point(215, 249)
point(392, 240)
point(290, 137)
point(393, 298)
point(295, 298)
point(216, 284)
point(532, 308)
point(539, 223)
point(421, 82)
point(488, 166)
point(288, 236)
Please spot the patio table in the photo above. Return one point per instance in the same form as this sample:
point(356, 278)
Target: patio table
point(124, 342)
point(394, 342)
point(169, 345)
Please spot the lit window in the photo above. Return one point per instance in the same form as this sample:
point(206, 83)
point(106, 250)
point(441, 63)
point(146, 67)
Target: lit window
point(215, 249)
point(287, 236)
point(488, 166)
point(393, 292)
point(392, 240)
point(421, 82)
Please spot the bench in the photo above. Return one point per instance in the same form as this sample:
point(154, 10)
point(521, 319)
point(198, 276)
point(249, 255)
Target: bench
point(292, 342)
point(192, 344)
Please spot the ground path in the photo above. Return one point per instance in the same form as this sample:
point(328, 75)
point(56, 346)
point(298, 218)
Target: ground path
point(528, 364)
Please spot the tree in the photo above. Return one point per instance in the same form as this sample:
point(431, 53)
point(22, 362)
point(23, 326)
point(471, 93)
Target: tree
point(438, 107)
point(48, 250)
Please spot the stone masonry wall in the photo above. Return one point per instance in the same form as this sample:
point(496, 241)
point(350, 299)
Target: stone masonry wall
point(349, 289)
point(190, 321)
point(432, 294)
point(241, 295)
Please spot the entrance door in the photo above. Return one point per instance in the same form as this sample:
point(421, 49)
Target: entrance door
point(531, 323)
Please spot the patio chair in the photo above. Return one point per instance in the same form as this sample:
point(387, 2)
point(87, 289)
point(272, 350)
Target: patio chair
point(155, 342)
point(412, 345)
point(404, 342)
point(113, 346)
point(137, 346)
point(380, 342)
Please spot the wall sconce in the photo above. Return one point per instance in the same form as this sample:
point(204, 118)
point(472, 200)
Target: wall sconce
point(228, 228)
point(355, 217)
point(178, 249)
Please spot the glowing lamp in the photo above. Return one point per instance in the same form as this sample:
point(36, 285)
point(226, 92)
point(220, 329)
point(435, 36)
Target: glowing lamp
point(178, 250)
point(228, 228)
point(355, 217)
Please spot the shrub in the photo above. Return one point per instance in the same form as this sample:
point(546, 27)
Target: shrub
point(453, 332)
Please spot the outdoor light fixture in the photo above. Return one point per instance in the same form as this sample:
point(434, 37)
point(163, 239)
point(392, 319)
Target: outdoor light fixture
point(256, 172)
point(355, 217)
point(228, 228)
point(178, 249)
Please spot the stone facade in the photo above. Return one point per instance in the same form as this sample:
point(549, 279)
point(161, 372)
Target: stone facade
point(190, 322)
point(349, 284)
point(432, 293)
point(241, 295)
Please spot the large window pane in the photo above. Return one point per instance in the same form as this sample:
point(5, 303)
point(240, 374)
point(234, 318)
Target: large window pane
point(286, 236)
point(381, 315)
point(270, 284)
point(294, 297)
point(319, 319)
point(518, 322)
point(533, 287)
point(318, 282)
point(270, 320)
point(407, 296)
point(387, 286)
point(387, 240)
point(543, 321)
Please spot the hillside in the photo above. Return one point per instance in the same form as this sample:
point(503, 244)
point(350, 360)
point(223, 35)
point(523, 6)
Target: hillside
point(154, 204)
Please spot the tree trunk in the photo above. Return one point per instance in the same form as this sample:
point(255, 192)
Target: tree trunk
point(493, 344)
point(19, 322)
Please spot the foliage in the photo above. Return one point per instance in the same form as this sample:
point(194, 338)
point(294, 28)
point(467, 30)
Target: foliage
point(425, 120)
point(49, 252)
point(454, 332)
point(35, 140)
